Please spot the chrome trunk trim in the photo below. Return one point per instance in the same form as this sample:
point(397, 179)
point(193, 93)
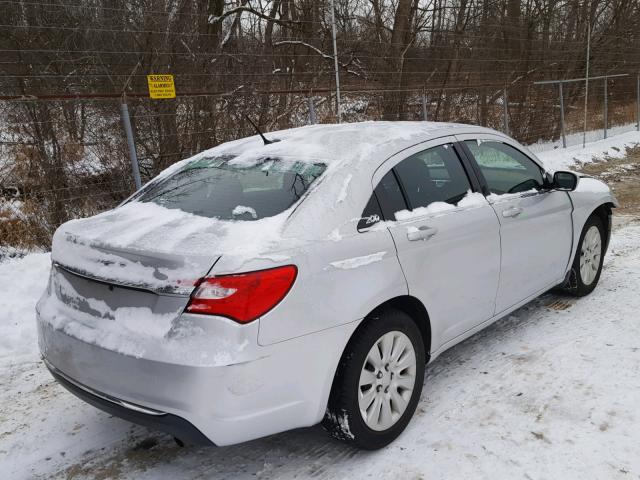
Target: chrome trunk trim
point(115, 283)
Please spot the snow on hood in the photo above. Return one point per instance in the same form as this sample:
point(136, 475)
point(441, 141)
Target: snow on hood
point(148, 245)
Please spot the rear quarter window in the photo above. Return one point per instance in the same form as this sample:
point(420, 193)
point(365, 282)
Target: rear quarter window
point(371, 214)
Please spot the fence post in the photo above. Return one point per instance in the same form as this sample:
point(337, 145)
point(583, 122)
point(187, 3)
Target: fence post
point(564, 138)
point(424, 107)
point(605, 106)
point(638, 102)
point(505, 101)
point(335, 61)
point(313, 119)
point(126, 122)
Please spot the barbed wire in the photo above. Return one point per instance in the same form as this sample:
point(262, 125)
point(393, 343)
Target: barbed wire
point(190, 54)
point(192, 33)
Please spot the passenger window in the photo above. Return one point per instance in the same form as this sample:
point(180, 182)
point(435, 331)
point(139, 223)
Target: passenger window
point(390, 196)
point(433, 175)
point(505, 168)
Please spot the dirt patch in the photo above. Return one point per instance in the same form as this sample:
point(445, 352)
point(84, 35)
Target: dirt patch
point(623, 176)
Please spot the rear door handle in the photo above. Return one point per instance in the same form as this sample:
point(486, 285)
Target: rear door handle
point(421, 233)
point(511, 212)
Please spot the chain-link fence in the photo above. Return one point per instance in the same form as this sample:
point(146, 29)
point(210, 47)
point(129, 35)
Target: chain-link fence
point(62, 158)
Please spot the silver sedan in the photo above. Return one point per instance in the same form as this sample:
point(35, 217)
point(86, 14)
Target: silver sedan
point(263, 286)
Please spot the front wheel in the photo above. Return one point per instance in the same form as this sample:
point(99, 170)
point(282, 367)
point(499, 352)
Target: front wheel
point(378, 382)
point(587, 264)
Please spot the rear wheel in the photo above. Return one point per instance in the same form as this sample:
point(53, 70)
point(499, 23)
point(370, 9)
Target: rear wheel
point(587, 264)
point(378, 383)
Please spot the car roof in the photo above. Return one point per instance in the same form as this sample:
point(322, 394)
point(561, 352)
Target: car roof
point(352, 140)
point(339, 143)
point(348, 145)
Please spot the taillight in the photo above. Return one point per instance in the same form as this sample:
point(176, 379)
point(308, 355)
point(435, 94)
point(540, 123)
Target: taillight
point(242, 297)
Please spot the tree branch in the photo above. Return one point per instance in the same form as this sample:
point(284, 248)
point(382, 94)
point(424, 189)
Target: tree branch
point(319, 52)
point(250, 10)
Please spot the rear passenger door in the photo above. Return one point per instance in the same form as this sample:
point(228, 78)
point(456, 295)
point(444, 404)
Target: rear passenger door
point(446, 237)
point(535, 223)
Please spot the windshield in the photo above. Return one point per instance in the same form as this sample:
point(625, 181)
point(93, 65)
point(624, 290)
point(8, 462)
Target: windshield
point(215, 187)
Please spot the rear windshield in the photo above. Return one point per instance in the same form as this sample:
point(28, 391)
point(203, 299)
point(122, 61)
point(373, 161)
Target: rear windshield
point(218, 188)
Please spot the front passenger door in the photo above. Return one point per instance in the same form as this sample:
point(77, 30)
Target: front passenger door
point(535, 224)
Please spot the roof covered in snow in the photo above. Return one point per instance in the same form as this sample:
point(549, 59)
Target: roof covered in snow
point(334, 143)
point(341, 142)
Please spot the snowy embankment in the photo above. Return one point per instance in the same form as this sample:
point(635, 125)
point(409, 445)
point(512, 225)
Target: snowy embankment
point(591, 137)
point(552, 391)
point(566, 158)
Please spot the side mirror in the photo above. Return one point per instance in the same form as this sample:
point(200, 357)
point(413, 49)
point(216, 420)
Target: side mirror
point(565, 181)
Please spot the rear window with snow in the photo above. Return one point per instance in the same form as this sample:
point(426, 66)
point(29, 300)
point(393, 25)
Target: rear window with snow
point(218, 188)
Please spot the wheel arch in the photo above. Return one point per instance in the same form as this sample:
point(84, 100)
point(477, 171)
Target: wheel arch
point(407, 304)
point(418, 313)
point(604, 212)
point(410, 305)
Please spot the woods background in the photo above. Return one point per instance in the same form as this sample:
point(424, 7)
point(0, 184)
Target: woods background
point(65, 65)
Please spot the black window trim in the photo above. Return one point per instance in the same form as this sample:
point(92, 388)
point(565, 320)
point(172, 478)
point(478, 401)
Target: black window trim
point(468, 167)
point(484, 186)
point(405, 196)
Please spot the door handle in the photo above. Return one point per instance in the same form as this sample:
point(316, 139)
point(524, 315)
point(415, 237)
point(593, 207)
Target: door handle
point(511, 212)
point(421, 233)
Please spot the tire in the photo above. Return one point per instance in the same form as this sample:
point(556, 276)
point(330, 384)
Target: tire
point(343, 420)
point(587, 264)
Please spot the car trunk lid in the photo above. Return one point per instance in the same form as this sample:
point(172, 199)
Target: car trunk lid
point(143, 246)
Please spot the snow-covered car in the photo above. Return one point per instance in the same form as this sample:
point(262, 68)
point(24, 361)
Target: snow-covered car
point(263, 286)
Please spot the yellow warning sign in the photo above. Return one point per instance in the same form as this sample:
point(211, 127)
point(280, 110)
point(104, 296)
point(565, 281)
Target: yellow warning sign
point(161, 86)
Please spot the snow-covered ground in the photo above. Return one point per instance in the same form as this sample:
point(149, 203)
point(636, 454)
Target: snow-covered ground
point(561, 158)
point(552, 391)
point(591, 137)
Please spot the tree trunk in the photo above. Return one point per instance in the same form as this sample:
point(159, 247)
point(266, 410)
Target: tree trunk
point(400, 40)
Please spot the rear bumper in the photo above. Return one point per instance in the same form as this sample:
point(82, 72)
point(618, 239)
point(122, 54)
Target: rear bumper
point(243, 393)
point(157, 420)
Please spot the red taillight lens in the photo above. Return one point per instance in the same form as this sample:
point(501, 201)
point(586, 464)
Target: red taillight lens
point(242, 297)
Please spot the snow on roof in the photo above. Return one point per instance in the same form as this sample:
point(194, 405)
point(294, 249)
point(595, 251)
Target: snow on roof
point(331, 143)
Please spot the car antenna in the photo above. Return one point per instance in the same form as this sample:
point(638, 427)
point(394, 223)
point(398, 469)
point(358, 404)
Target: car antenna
point(264, 139)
